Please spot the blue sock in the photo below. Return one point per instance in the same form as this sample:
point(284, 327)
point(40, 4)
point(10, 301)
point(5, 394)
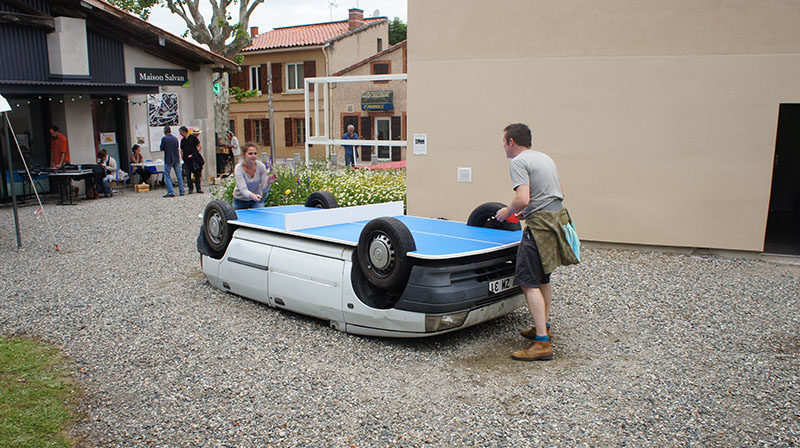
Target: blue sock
point(542, 338)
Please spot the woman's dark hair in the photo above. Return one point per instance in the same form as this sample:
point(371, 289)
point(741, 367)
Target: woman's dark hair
point(102, 153)
point(134, 147)
point(520, 132)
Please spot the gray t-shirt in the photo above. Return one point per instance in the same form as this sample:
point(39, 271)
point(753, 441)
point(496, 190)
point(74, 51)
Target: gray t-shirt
point(246, 184)
point(538, 171)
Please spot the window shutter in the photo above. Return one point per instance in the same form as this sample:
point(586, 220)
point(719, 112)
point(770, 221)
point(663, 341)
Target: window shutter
point(287, 124)
point(395, 135)
point(263, 80)
point(265, 131)
point(366, 134)
point(277, 83)
point(380, 68)
point(248, 131)
point(237, 79)
point(309, 69)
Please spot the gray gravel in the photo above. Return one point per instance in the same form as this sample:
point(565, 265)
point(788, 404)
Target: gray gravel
point(651, 349)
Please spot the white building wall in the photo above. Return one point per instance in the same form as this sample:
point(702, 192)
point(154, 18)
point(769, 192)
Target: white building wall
point(195, 103)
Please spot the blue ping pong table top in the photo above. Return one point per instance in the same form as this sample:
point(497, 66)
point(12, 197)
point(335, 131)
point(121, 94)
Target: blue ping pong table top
point(434, 238)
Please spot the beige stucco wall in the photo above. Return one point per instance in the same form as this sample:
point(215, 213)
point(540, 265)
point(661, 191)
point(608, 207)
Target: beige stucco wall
point(356, 47)
point(349, 93)
point(661, 116)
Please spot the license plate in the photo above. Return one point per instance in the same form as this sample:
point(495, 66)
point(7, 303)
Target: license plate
point(500, 285)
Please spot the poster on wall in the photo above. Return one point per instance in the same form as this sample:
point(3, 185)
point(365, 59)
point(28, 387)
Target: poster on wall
point(140, 135)
point(420, 144)
point(162, 110)
point(108, 138)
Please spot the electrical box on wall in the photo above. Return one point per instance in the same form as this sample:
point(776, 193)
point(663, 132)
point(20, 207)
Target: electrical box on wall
point(465, 174)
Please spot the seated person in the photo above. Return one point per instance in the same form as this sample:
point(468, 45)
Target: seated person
point(136, 157)
point(252, 180)
point(109, 165)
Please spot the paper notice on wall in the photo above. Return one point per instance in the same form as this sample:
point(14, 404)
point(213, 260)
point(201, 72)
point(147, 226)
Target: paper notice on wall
point(108, 138)
point(140, 136)
point(420, 144)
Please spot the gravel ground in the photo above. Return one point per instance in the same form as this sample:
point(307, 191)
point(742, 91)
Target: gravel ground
point(651, 349)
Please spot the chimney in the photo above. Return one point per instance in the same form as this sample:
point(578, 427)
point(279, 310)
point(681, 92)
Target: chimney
point(253, 31)
point(356, 18)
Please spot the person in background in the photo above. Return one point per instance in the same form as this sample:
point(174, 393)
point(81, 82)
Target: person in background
point(538, 197)
point(252, 180)
point(137, 157)
point(236, 151)
point(192, 160)
point(59, 156)
point(59, 148)
point(109, 166)
point(172, 161)
point(350, 152)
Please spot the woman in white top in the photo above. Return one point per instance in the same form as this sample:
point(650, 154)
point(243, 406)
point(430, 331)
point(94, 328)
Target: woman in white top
point(252, 180)
point(109, 166)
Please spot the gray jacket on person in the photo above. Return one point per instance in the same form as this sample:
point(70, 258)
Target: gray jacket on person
point(169, 144)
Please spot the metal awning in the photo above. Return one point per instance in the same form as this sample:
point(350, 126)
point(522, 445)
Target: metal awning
point(377, 100)
point(14, 87)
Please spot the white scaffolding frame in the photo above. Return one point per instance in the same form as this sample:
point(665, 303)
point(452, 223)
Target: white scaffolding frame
point(325, 139)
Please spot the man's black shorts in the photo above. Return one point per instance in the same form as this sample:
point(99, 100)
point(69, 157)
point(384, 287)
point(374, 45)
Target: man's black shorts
point(529, 272)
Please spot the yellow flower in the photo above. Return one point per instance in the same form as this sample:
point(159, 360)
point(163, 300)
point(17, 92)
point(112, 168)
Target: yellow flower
point(287, 192)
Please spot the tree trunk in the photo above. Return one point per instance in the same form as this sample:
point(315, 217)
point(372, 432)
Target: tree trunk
point(222, 105)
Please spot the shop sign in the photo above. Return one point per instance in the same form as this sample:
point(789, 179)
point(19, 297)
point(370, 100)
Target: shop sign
point(377, 100)
point(161, 76)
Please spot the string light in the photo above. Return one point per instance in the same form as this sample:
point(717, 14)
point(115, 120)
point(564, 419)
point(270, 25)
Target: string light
point(80, 97)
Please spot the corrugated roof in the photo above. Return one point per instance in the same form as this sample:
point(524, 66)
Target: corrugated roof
point(304, 35)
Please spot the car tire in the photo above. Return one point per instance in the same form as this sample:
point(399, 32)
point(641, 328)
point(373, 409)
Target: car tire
point(321, 199)
point(484, 216)
point(216, 230)
point(382, 248)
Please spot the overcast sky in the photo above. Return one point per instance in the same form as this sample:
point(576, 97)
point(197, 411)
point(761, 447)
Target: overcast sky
point(278, 13)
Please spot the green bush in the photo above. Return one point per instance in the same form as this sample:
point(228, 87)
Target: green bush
point(349, 186)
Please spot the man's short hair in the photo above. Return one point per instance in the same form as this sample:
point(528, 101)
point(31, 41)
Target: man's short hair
point(350, 126)
point(520, 132)
point(183, 129)
point(167, 130)
point(229, 132)
point(55, 128)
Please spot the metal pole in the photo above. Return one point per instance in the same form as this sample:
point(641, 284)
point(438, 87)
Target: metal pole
point(271, 116)
point(11, 180)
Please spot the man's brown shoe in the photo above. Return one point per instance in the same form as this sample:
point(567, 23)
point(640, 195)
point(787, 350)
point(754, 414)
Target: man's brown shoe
point(530, 333)
point(539, 351)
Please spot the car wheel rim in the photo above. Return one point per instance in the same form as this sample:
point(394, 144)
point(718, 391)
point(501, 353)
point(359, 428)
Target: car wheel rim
point(215, 228)
point(381, 254)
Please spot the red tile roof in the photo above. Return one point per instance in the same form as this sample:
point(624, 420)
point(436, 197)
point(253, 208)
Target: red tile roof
point(303, 35)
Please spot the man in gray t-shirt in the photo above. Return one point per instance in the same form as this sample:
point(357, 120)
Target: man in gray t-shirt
point(536, 187)
point(538, 171)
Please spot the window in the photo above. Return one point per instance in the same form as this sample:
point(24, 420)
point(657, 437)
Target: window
point(232, 126)
point(300, 130)
point(380, 68)
point(258, 131)
point(255, 79)
point(380, 45)
point(294, 76)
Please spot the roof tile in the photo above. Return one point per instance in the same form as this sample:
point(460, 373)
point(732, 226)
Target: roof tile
point(303, 35)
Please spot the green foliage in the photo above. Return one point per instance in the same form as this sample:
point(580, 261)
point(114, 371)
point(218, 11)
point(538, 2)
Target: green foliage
point(349, 186)
point(240, 94)
point(36, 395)
point(139, 7)
point(397, 31)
